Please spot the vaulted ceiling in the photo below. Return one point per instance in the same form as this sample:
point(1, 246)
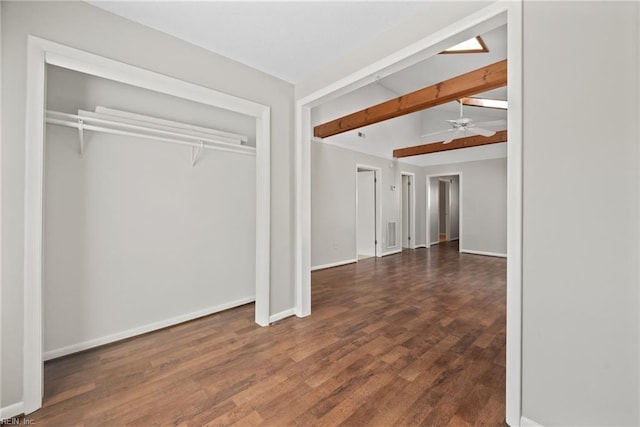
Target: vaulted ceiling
point(292, 40)
point(382, 138)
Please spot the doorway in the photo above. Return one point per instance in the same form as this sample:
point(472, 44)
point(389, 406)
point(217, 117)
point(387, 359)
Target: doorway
point(444, 220)
point(491, 16)
point(444, 208)
point(367, 212)
point(408, 210)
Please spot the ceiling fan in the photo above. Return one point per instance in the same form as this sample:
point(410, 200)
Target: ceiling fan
point(464, 126)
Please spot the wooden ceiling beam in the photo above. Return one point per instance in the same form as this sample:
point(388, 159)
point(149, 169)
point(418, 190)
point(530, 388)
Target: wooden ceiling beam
point(481, 80)
point(456, 144)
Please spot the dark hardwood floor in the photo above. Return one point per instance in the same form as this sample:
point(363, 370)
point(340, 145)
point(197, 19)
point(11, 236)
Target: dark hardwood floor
point(416, 338)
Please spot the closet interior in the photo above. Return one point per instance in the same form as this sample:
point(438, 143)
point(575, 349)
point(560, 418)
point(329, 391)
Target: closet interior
point(149, 211)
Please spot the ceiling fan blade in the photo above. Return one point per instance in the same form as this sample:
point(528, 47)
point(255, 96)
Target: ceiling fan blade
point(483, 132)
point(440, 132)
point(494, 123)
point(454, 135)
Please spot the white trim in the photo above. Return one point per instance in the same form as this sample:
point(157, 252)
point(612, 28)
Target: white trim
point(41, 52)
point(437, 242)
point(472, 252)
point(412, 223)
point(32, 369)
point(513, 386)
point(526, 422)
point(489, 17)
point(11, 411)
point(96, 342)
point(302, 238)
point(638, 237)
point(334, 264)
point(4, 412)
point(420, 246)
point(283, 314)
point(263, 217)
point(398, 251)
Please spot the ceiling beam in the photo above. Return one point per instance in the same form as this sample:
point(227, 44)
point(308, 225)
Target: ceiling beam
point(481, 80)
point(456, 144)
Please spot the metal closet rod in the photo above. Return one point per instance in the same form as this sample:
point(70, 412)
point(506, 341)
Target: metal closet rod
point(195, 142)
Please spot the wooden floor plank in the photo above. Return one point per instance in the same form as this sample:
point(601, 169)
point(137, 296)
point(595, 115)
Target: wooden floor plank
point(416, 338)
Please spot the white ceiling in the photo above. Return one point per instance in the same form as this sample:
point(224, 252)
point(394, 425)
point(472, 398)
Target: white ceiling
point(293, 39)
point(287, 39)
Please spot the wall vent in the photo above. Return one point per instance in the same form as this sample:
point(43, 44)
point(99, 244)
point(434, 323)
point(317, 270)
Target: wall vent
point(391, 234)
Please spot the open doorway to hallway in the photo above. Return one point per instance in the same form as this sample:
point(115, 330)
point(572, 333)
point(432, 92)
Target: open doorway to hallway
point(443, 208)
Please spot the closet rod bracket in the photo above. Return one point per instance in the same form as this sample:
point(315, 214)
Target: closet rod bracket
point(195, 153)
point(81, 136)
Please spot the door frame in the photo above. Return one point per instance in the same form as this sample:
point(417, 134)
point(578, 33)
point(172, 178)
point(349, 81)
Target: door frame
point(412, 208)
point(493, 15)
point(40, 53)
point(430, 197)
point(377, 175)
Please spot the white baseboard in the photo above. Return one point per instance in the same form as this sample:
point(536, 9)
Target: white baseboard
point(11, 411)
point(454, 238)
point(434, 243)
point(333, 264)
point(74, 348)
point(420, 246)
point(526, 422)
point(391, 252)
point(468, 251)
point(282, 315)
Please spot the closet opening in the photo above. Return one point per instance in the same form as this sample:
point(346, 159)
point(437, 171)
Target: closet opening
point(134, 180)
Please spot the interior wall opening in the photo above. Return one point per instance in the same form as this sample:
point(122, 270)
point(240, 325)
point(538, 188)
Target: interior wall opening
point(514, 177)
point(366, 213)
point(129, 187)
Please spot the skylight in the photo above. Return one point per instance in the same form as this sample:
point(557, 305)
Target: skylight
point(485, 102)
point(473, 45)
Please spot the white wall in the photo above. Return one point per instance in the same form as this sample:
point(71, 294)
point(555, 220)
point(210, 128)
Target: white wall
point(366, 227)
point(580, 277)
point(483, 201)
point(134, 235)
point(85, 27)
point(333, 184)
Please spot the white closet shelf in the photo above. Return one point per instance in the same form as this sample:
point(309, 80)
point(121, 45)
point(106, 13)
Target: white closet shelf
point(134, 125)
